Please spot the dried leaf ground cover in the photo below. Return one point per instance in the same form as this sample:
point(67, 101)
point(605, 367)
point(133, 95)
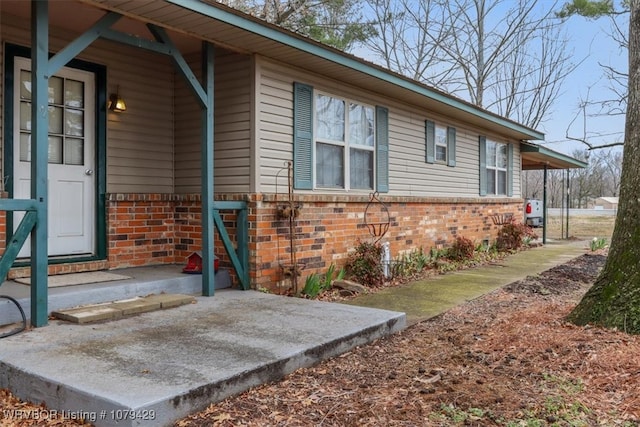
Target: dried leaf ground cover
point(506, 359)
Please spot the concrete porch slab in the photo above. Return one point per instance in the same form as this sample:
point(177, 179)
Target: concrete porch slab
point(143, 281)
point(154, 368)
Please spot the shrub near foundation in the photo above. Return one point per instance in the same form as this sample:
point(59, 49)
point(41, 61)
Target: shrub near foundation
point(513, 236)
point(364, 265)
point(461, 250)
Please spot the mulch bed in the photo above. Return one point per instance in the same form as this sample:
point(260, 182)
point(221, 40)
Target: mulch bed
point(505, 359)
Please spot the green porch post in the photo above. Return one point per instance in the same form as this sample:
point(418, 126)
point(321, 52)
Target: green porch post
point(39, 158)
point(208, 273)
point(544, 207)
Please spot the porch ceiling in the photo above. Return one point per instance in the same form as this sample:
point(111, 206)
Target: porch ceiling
point(535, 157)
point(191, 21)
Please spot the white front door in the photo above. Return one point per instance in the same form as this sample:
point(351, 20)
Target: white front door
point(72, 201)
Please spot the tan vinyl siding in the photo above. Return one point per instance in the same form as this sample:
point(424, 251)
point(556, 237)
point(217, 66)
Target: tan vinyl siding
point(232, 123)
point(144, 133)
point(517, 171)
point(409, 174)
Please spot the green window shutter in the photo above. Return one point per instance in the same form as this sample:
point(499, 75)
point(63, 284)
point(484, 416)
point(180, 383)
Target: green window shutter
point(483, 165)
point(430, 141)
point(451, 146)
point(510, 170)
point(382, 149)
point(302, 136)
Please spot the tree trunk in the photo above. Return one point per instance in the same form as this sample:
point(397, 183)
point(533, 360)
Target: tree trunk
point(614, 299)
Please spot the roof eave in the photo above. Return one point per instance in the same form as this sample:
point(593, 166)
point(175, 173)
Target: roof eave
point(272, 32)
point(537, 157)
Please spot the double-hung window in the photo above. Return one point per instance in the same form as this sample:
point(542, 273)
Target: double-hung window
point(496, 167)
point(338, 143)
point(344, 143)
point(440, 143)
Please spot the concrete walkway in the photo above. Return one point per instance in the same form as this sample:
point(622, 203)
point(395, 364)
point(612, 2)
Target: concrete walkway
point(154, 368)
point(425, 299)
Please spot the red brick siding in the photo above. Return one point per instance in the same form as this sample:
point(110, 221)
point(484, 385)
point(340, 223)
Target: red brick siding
point(152, 229)
point(328, 228)
point(141, 230)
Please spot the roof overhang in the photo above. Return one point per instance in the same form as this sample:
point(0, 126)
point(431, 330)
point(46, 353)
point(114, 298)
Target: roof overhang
point(238, 31)
point(535, 157)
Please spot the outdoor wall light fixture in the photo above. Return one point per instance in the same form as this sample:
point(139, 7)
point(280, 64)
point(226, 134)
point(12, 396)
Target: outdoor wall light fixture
point(116, 103)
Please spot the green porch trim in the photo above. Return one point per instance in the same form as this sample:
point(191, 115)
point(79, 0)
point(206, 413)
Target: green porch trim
point(18, 205)
point(239, 259)
point(201, 93)
point(287, 38)
point(17, 241)
point(39, 159)
point(74, 48)
point(139, 42)
point(206, 165)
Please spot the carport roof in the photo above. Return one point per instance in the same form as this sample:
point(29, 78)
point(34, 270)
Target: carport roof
point(536, 157)
point(224, 26)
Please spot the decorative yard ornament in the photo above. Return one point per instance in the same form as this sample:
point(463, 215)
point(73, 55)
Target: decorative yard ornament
point(376, 217)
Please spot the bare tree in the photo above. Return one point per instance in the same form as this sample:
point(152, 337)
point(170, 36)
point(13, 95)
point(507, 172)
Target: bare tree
point(586, 183)
point(583, 127)
point(611, 163)
point(508, 57)
point(409, 36)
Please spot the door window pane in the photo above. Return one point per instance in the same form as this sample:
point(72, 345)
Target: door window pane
point(73, 151)
point(55, 119)
point(74, 94)
point(74, 122)
point(56, 93)
point(25, 116)
point(55, 149)
point(25, 147)
point(25, 85)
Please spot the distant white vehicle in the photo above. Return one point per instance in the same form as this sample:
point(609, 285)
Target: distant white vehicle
point(533, 213)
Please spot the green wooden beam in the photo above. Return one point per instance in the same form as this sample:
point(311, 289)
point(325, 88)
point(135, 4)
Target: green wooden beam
point(138, 42)
point(242, 233)
point(228, 245)
point(72, 50)
point(18, 205)
point(39, 158)
point(208, 272)
point(17, 241)
point(201, 93)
